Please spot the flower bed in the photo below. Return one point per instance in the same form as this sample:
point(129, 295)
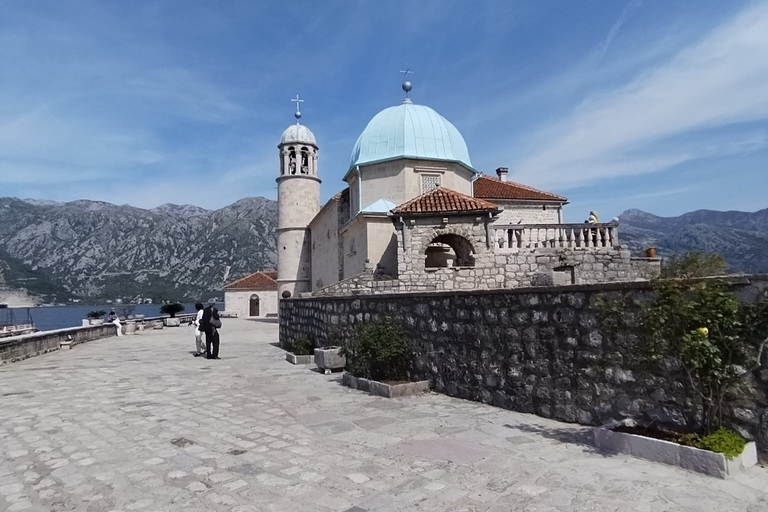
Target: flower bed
point(386, 389)
point(613, 439)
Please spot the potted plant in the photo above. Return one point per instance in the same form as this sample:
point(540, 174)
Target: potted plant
point(379, 356)
point(301, 351)
point(171, 309)
point(330, 357)
point(95, 317)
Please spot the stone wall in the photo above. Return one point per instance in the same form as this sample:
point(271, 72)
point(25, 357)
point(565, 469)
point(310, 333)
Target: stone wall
point(532, 350)
point(17, 348)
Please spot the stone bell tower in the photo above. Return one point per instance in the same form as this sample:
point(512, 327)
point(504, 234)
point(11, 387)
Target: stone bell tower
point(298, 201)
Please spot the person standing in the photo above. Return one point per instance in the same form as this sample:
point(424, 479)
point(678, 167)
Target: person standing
point(199, 348)
point(208, 326)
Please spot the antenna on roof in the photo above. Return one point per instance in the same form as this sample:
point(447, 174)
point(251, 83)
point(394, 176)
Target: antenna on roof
point(297, 115)
point(407, 85)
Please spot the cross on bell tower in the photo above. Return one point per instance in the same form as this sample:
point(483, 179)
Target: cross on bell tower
point(297, 115)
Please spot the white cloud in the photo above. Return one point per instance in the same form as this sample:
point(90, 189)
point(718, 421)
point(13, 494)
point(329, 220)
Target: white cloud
point(718, 81)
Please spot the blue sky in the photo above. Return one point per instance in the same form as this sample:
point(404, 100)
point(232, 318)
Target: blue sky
point(656, 105)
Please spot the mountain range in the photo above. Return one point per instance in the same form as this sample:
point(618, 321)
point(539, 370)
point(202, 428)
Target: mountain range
point(740, 237)
point(91, 250)
point(94, 251)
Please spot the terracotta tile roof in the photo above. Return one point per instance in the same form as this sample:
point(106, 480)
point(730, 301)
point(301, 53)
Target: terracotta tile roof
point(443, 200)
point(487, 187)
point(264, 281)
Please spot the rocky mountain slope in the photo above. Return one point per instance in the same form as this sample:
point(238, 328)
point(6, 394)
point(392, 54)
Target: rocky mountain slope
point(96, 250)
point(740, 237)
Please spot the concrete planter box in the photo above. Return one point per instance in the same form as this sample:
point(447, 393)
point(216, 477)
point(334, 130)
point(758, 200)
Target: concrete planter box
point(386, 390)
point(157, 324)
point(172, 322)
point(96, 321)
point(328, 359)
point(666, 452)
point(294, 359)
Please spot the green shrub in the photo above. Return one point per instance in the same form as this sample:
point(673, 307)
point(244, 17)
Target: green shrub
point(96, 314)
point(171, 309)
point(722, 440)
point(378, 350)
point(301, 346)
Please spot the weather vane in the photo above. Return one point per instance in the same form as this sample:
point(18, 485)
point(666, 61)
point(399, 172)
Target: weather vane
point(297, 115)
point(407, 85)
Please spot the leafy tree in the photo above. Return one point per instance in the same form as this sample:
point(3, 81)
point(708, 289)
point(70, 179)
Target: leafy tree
point(694, 264)
point(171, 309)
point(700, 325)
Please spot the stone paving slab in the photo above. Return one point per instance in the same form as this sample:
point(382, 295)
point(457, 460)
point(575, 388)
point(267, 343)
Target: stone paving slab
point(137, 423)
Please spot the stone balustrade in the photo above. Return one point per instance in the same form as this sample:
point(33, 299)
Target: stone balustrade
point(526, 237)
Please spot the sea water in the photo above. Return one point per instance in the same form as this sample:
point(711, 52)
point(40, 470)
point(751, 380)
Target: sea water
point(60, 317)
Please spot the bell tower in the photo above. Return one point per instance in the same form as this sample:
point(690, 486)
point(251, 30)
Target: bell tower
point(298, 201)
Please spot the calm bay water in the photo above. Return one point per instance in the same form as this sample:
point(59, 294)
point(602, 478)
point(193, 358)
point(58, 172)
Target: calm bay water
point(59, 317)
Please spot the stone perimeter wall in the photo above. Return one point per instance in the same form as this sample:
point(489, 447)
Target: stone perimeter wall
point(17, 348)
point(536, 350)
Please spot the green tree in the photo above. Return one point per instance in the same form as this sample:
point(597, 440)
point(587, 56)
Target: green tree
point(700, 325)
point(171, 309)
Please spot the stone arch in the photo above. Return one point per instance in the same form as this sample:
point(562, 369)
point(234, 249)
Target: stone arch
point(450, 249)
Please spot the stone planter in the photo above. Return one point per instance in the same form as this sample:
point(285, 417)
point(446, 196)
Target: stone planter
point(96, 321)
point(157, 324)
point(383, 389)
point(666, 452)
point(130, 327)
point(294, 359)
point(172, 322)
point(328, 359)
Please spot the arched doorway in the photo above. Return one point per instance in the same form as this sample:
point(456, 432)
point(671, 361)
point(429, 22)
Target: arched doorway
point(254, 305)
point(449, 251)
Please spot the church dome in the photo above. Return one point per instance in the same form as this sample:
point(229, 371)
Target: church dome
point(410, 131)
point(298, 134)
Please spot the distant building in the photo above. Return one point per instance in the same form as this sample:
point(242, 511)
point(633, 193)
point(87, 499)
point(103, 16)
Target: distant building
point(252, 296)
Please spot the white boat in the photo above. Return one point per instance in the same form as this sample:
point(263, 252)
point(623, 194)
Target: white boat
point(9, 326)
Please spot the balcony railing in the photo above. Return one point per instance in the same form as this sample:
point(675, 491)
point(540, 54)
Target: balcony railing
point(520, 237)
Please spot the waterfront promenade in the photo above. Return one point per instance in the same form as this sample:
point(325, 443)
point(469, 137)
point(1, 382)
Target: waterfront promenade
point(137, 423)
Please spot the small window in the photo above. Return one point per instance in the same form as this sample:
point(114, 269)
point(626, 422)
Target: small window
point(429, 182)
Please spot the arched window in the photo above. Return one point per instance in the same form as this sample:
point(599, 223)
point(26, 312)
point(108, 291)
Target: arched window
point(304, 161)
point(254, 309)
point(292, 160)
point(450, 250)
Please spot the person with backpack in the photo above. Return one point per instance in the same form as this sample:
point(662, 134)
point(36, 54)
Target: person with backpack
point(210, 325)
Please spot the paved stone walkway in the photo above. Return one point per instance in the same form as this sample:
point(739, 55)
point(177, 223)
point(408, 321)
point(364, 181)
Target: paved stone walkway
point(137, 423)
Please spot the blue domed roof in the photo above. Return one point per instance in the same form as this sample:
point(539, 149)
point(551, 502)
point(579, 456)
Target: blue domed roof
point(409, 131)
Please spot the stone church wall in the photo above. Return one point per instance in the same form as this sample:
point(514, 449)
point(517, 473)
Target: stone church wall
point(325, 246)
point(533, 350)
point(513, 213)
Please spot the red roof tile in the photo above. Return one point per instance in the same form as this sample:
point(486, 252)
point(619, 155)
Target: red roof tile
point(443, 200)
point(487, 187)
point(264, 281)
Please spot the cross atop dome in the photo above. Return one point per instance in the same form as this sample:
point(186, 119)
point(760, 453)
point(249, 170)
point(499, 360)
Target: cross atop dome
point(407, 85)
point(297, 115)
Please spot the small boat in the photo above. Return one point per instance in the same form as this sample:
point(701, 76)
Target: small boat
point(9, 326)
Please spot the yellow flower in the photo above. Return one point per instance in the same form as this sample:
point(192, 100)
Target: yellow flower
point(703, 331)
